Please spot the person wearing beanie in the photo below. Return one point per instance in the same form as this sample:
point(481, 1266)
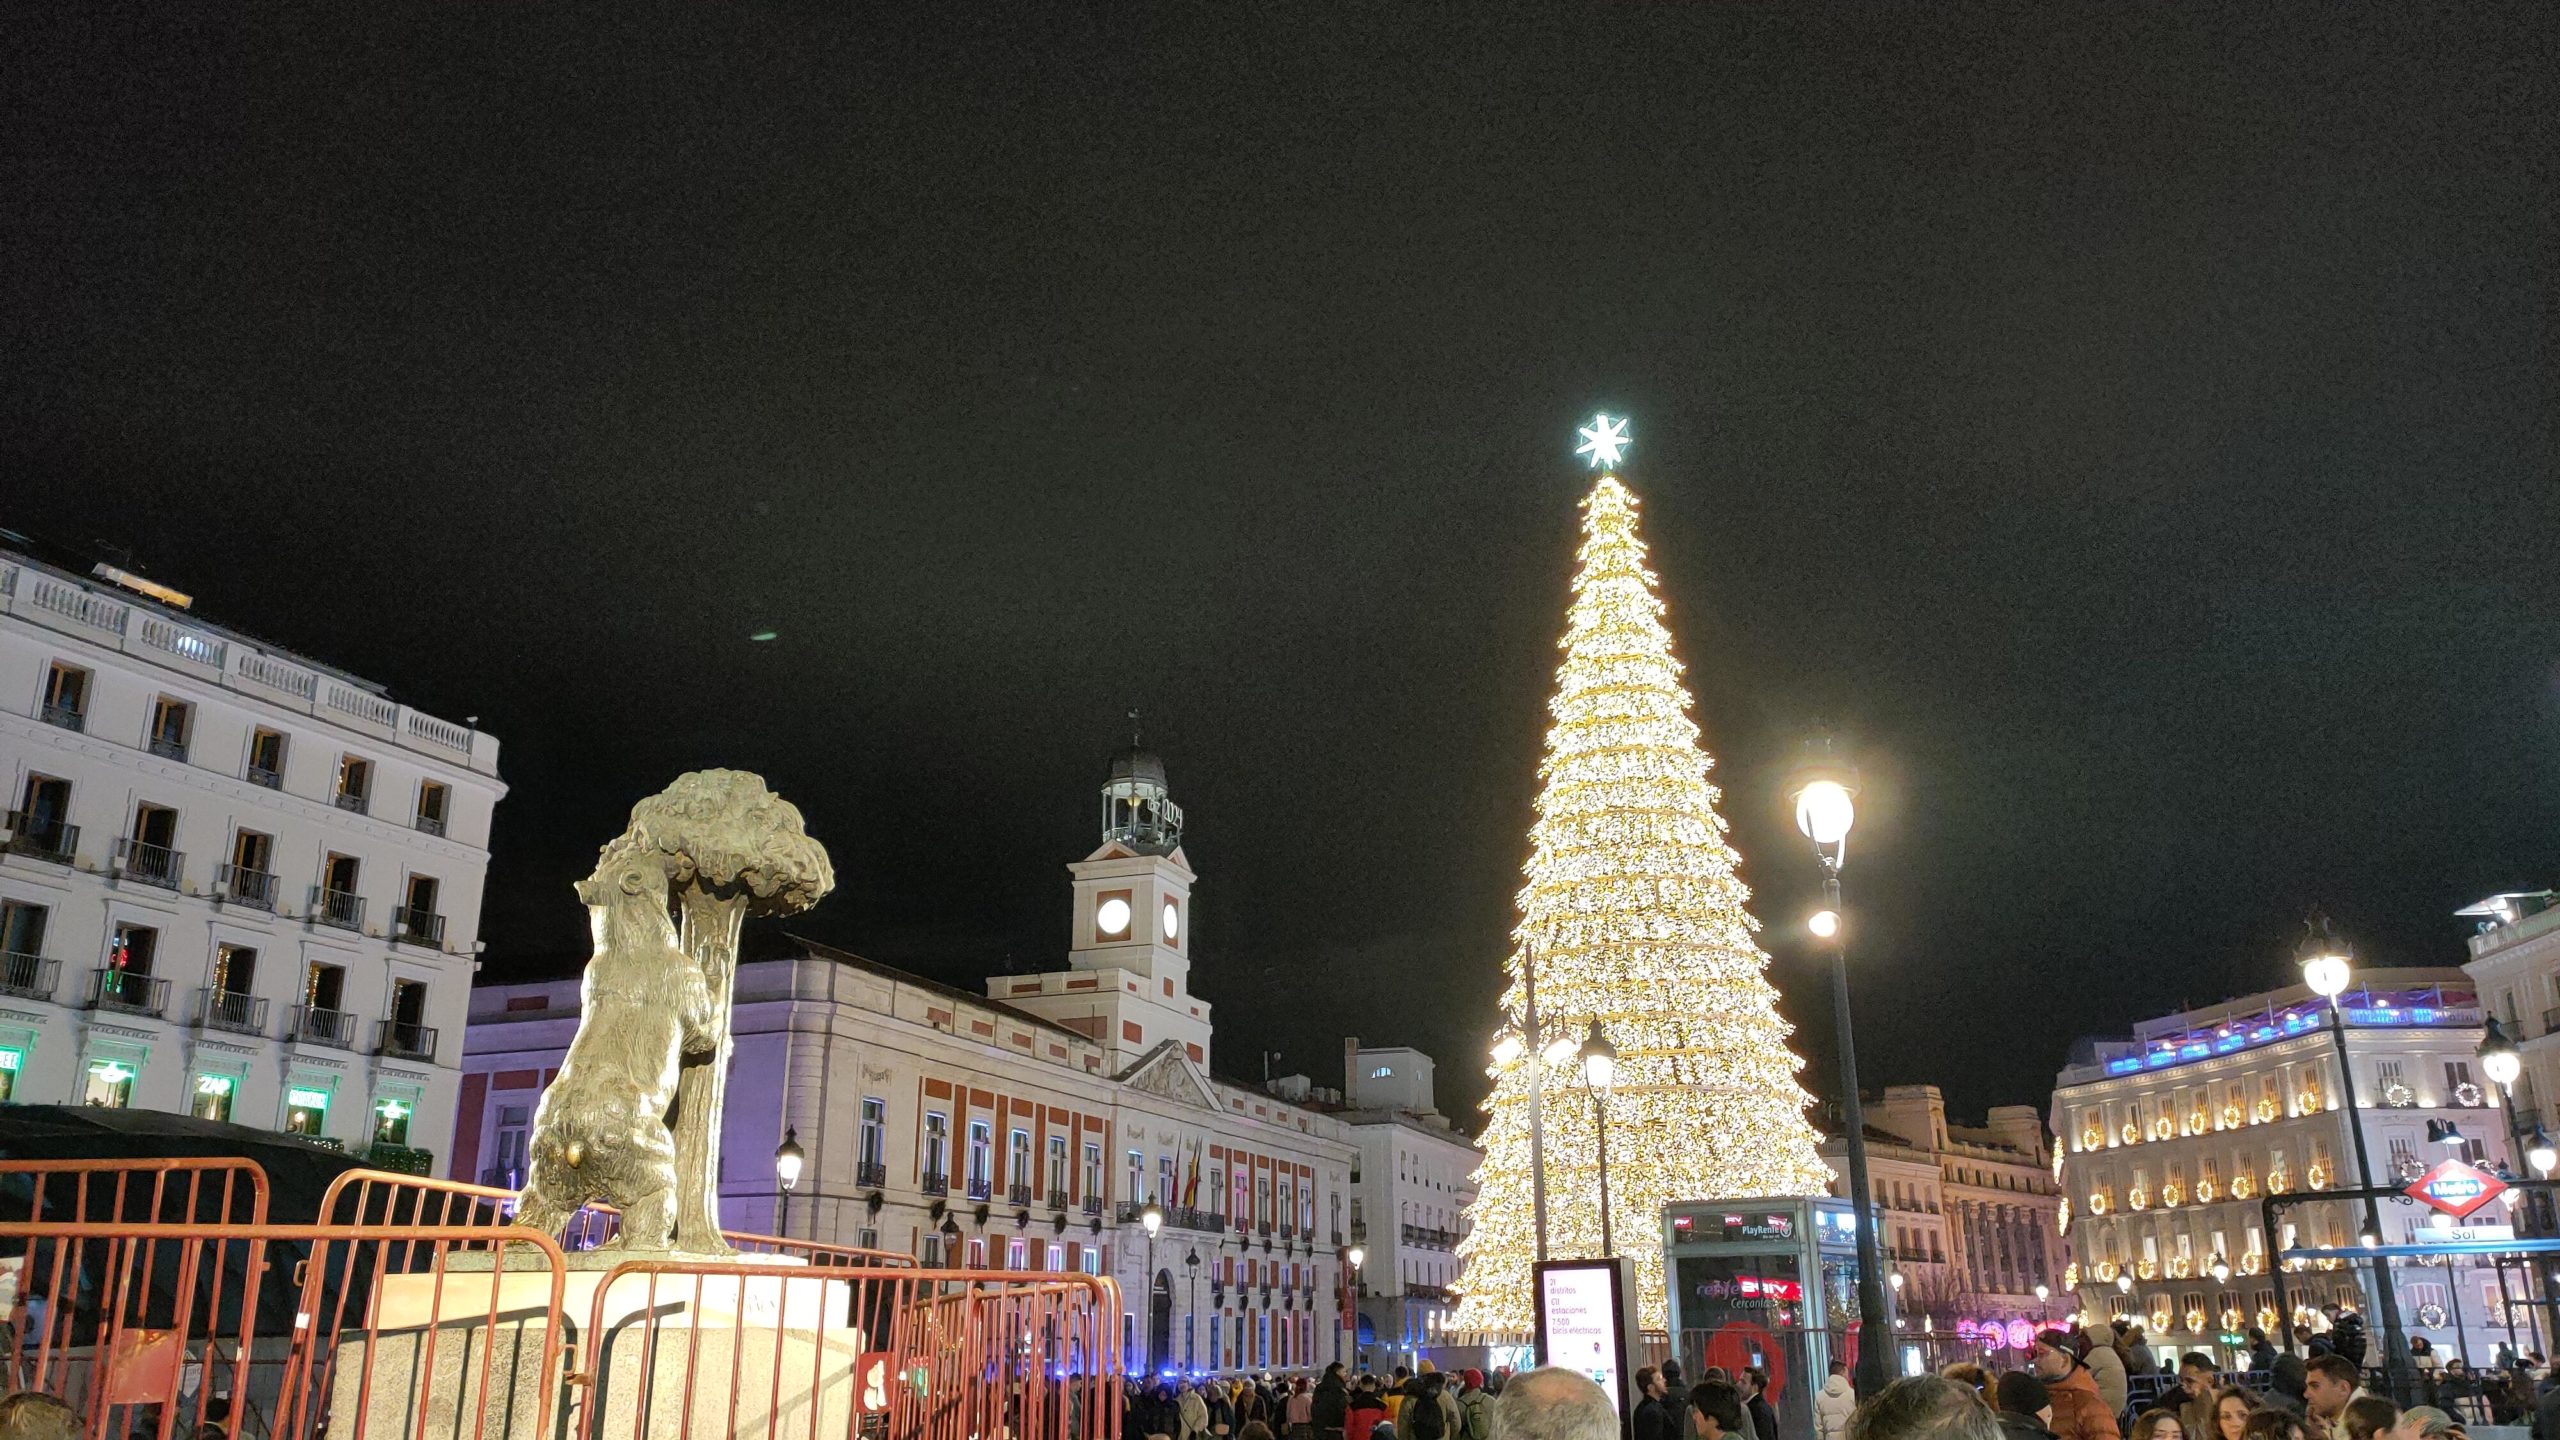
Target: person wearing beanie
point(2079, 1412)
point(2026, 1407)
point(1475, 1407)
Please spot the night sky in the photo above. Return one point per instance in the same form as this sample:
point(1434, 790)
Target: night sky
point(2131, 426)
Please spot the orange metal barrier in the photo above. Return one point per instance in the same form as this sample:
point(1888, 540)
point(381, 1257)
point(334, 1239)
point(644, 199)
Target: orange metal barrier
point(139, 1346)
point(164, 1190)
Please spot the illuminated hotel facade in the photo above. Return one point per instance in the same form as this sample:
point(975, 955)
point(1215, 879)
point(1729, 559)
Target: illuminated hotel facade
point(2170, 1140)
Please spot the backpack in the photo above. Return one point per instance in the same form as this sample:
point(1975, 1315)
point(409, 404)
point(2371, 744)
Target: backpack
point(1423, 1418)
point(1479, 1420)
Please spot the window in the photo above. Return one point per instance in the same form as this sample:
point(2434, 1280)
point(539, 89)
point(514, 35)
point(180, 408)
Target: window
point(10, 1060)
point(932, 1248)
point(1169, 1190)
point(1307, 1207)
point(1017, 1173)
point(249, 878)
point(2457, 1074)
point(434, 798)
point(1014, 1257)
point(866, 1239)
point(266, 758)
point(148, 854)
point(1057, 1171)
point(132, 949)
point(1262, 1202)
point(22, 948)
point(1057, 1256)
point(871, 1145)
point(42, 826)
point(937, 1145)
point(1137, 1178)
point(66, 696)
point(170, 721)
point(306, 1111)
point(515, 1130)
point(336, 902)
point(391, 1121)
point(1092, 1171)
point(1218, 1191)
point(212, 1099)
point(406, 1032)
point(108, 1085)
point(324, 986)
point(418, 922)
point(355, 783)
point(1383, 1072)
point(982, 1158)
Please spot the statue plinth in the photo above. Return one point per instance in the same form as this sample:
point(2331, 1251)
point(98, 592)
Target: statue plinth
point(674, 1353)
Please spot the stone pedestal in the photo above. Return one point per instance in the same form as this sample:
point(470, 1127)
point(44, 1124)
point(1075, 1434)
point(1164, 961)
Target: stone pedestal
point(767, 1350)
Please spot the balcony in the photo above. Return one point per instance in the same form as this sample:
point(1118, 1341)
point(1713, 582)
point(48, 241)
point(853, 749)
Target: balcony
point(341, 908)
point(1017, 1194)
point(312, 1025)
point(231, 1010)
point(130, 991)
point(431, 825)
point(29, 976)
point(1057, 1199)
point(412, 926)
point(2551, 1020)
point(405, 1040)
point(982, 1187)
point(871, 1174)
point(253, 888)
point(42, 837)
point(933, 1184)
point(1093, 1205)
point(1432, 1239)
point(261, 775)
point(151, 864)
point(168, 749)
point(69, 717)
point(350, 800)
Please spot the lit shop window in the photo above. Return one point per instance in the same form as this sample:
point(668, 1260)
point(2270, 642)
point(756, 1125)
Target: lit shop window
point(109, 1085)
point(212, 1099)
point(10, 1060)
point(306, 1112)
point(391, 1122)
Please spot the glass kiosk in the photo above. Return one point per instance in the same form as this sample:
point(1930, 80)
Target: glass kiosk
point(1766, 1283)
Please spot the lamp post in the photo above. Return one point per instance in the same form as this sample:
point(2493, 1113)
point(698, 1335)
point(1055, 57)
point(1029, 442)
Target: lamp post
point(788, 1157)
point(1191, 1312)
point(1537, 1095)
point(1599, 1069)
point(2500, 1061)
point(2325, 960)
point(1826, 806)
point(1152, 1219)
point(1351, 1259)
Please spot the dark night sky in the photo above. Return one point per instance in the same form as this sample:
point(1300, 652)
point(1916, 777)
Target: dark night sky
point(2133, 426)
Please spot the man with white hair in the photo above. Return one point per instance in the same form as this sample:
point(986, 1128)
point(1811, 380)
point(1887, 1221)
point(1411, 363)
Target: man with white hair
point(1552, 1403)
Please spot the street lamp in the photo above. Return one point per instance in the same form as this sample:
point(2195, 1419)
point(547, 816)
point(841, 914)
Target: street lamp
point(1351, 1295)
point(1825, 792)
point(2538, 1152)
point(1191, 1315)
point(788, 1157)
point(2325, 959)
point(2220, 1269)
point(1599, 1068)
point(2043, 1293)
point(2124, 1282)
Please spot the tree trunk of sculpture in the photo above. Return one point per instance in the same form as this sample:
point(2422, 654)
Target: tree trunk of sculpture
point(708, 926)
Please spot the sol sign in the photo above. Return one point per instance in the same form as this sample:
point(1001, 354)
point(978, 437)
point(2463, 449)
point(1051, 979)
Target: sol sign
point(2455, 1188)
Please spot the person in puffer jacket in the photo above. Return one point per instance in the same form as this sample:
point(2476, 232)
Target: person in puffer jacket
point(2098, 1352)
point(1833, 1404)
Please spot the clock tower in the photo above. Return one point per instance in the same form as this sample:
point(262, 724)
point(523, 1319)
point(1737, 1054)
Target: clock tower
point(1128, 981)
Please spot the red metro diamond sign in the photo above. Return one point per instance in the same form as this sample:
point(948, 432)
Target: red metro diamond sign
point(2455, 1188)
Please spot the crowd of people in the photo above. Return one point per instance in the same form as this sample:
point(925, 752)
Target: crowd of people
point(1409, 1405)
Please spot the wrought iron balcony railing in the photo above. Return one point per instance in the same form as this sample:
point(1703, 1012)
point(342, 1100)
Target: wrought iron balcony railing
point(934, 1184)
point(341, 908)
point(255, 888)
point(261, 775)
point(151, 864)
point(316, 1026)
point(43, 837)
point(231, 1010)
point(69, 717)
point(131, 991)
point(414, 926)
point(406, 1040)
point(168, 749)
point(29, 976)
point(871, 1174)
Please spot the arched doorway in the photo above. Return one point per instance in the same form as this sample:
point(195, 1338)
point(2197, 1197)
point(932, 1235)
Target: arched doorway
point(1160, 1323)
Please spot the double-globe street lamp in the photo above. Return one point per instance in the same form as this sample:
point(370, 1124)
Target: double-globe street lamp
point(2504, 1065)
point(1825, 793)
point(2325, 961)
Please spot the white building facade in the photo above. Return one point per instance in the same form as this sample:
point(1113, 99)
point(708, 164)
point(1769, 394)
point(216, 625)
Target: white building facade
point(1027, 1129)
point(1416, 1180)
point(235, 883)
point(2515, 964)
point(2171, 1140)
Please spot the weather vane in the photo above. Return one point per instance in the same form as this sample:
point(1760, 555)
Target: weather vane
point(1604, 440)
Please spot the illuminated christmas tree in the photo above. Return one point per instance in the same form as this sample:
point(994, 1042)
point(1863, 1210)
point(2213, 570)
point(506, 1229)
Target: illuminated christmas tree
point(1633, 916)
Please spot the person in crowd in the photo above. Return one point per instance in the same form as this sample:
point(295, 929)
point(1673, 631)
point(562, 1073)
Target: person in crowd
point(2367, 1417)
point(1550, 1403)
point(1673, 1382)
point(38, 1416)
point(2285, 1381)
point(1332, 1404)
point(1193, 1409)
point(2194, 1395)
point(2273, 1424)
point(1366, 1409)
point(2158, 1423)
point(1933, 1407)
point(1399, 1389)
point(1475, 1406)
point(1719, 1375)
point(2107, 1364)
point(2079, 1411)
point(2346, 1333)
point(2232, 1408)
point(2426, 1422)
point(2262, 1351)
point(1965, 1372)
point(1254, 1430)
point(1715, 1407)
point(1653, 1417)
point(1833, 1404)
point(2134, 1349)
point(1755, 1402)
point(2327, 1388)
point(2025, 1409)
point(1298, 1412)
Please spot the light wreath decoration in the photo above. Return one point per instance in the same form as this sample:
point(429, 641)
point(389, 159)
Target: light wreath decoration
point(1632, 913)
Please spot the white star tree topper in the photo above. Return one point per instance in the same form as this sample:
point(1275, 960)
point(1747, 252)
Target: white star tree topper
point(1604, 440)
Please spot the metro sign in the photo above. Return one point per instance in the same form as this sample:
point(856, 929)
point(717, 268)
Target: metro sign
point(2455, 1188)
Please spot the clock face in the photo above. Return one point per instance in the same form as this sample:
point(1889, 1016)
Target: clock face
point(1112, 916)
point(1172, 922)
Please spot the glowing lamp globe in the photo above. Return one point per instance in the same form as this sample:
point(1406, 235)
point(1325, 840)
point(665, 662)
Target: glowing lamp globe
point(2221, 1269)
point(1825, 811)
point(1599, 1059)
point(1823, 923)
point(2498, 1058)
point(2539, 1151)
point(1152, 1217)
point(2124, 1281)
point(2326, 974)
point(788, 1157)
point(1356, 1256)
point(1506, 1050)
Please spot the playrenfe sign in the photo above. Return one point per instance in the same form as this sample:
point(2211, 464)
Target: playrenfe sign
point(2455, 1188)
